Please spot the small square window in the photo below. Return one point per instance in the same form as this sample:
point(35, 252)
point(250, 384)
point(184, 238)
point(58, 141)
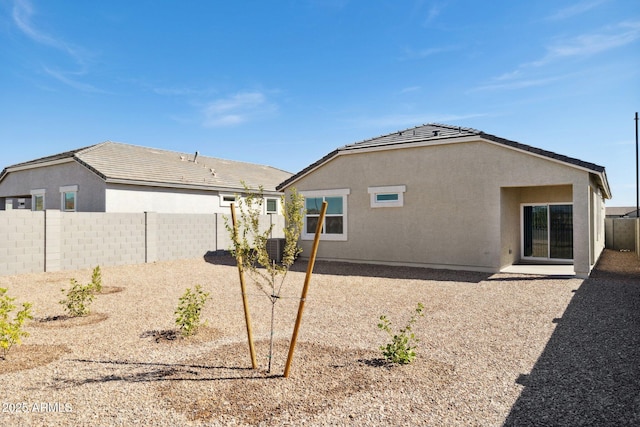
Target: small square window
point(272, 206)
point(38, 202)
point(69, 200)
point(69, 195)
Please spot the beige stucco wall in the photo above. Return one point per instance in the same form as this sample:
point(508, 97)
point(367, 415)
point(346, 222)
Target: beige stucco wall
point(50, 178)
point(512, 199)
point(130, 198)
point(461, 206)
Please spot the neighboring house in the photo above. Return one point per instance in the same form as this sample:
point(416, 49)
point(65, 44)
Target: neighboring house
point(449, 197)
point(621, 212)
point(115, 177)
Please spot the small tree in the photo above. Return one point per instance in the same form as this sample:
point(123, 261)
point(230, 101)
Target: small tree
point(401, 349)
point(96, 280)
point(78, 298)
point(189, 308)
point(11, 332)
point(250, 246)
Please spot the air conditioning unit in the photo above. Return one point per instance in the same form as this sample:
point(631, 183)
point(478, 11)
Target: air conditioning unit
point(275, 249)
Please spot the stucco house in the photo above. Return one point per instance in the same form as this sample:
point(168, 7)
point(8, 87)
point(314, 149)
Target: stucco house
point(449, 197)
point(116, 177)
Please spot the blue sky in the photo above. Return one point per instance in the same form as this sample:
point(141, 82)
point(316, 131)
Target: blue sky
point(285, 82)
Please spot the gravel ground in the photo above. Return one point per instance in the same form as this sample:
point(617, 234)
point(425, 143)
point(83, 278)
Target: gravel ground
point(494, 349)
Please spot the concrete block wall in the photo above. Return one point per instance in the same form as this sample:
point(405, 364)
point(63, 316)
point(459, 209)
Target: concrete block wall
point(33, 242)
point(621, 233)
point(94, 238)
point(22, 241)
point(183, 236)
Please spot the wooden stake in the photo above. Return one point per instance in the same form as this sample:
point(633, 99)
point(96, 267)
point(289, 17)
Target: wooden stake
point(307, 279)
point(247, 316)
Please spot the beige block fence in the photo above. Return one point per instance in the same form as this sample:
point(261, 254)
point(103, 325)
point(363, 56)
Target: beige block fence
point(52, 240)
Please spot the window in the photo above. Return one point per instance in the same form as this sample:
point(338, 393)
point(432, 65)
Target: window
point(69, 198)
point(272, 206)
point(387, 197)
point(335, 221)
point(37, 200)
point(227, 199)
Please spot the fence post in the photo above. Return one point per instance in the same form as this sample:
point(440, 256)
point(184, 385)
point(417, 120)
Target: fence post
point(150, 237)
point(52, 240)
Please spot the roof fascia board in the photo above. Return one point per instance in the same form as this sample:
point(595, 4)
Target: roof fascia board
point(39, 165)
point(541, 156)
point(410, 144)
point(184, 186)
point(455, 140)
point(443, 141)
point(602, 175)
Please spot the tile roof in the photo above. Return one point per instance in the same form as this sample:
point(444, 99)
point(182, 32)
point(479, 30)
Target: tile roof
point(124, 163)
point(621, 211)
point(439, 133)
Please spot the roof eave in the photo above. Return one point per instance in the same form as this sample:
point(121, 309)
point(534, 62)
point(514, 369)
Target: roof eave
point(544, 154)
point(294, 178)
point(185, 186)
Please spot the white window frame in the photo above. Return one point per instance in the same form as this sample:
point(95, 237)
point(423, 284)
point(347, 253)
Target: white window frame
point(69, 189)
point(398, 190)
point(34, 195)
point(266, 205)
point(224, 202)
point(341, 192)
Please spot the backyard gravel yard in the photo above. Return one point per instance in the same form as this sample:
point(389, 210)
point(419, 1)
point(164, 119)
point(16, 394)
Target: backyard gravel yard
point(495, 350)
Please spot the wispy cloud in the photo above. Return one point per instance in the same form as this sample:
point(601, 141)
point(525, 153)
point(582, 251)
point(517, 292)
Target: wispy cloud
point(22, 15)
point(584, 45)
point(576, 9)
point(65, 77)
point(410, 54)
point(433, 13)
point(237, 109)
point(581, 46)
point(404, 120)
point(181, 91)
point(514, 82)
point(410, 89)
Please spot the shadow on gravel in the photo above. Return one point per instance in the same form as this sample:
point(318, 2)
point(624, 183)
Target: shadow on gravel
point(589, 372)
point(336, 268)
point(162, 372)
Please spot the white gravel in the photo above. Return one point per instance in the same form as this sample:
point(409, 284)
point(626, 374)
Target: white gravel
point(480, 333)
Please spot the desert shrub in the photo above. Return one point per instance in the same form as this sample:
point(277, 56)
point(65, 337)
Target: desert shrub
point(96, 280)
point(78, 298)
point(11, 332)
point(401, 349)
point(189, 308)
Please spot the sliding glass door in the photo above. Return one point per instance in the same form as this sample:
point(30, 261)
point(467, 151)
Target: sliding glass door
point(547, 231)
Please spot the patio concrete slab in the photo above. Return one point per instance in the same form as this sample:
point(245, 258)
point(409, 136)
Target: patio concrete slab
point(541, 269)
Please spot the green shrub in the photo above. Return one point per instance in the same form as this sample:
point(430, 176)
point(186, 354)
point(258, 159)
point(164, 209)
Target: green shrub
point(401, 349)
point(78, 299)
point(189, 308)
point(11, 332)
point(96, 280)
